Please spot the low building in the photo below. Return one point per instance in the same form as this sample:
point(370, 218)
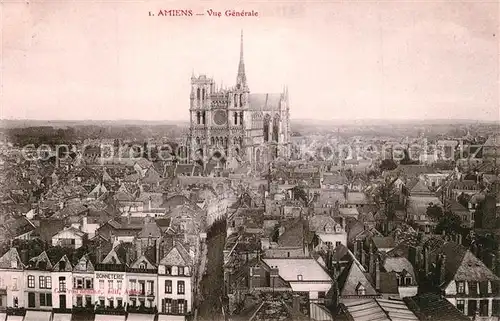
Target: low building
point(69, 237)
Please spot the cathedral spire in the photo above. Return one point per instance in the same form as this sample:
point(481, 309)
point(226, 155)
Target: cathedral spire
point(241, 79)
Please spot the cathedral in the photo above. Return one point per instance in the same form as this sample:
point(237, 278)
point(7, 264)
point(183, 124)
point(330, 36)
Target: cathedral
point(233, 125)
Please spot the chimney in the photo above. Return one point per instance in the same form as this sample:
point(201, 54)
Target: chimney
point(363, 256)
point(493, 263)
point(274, 275)
point(426, 259)
point(442, 269)
point(377, 274)
point(296, 303)
point(371, 259)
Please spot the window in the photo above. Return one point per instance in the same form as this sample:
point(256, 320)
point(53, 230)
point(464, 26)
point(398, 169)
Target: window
point(133, 286)
point(111, 303)
point(62, 284)
point(119, 285)
point(337, 244)
point(88, 284)
point(79, 283)
point(460, 287)
point(88, 301)
point(110, 284)
point(16, 302)
point(181, 306)
point(150, 287)
point(168, 306)
point(134, 302)
point(31, 300)
point(101, 284)
point(79, 301)
point(119, 302)
point(142, 287)
point(101, 302)
point(142, 266)
point(181, 270)
point(360, 289)
point(460, 305)
point(299, 277)
point(31, 281)
point(180, 287)
point(168, 270)
point(48, 282)
point(168, 286)
point(42, 284)
point(407, 281)
point(46, 299)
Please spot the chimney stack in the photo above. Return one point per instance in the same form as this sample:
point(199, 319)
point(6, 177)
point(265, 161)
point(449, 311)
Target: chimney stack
point(371, 259)
point(426, 259)
point(363, 256)
point(493, 263)
point(377, 274)
point(442, 269)
point(296, 303)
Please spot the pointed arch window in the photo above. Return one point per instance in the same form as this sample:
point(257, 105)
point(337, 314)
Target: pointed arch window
point(212, 141)
point(204, 119)
point(241, 100)
point(198, 117)
point(241, 118)
point(235, 100)
point(235, 118)
point(203, 94)
point(198, 94)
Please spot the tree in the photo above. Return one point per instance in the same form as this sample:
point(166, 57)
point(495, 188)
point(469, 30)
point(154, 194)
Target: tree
point(449, 223)
point(388, 165)
point(385, 197)
point(434, 212)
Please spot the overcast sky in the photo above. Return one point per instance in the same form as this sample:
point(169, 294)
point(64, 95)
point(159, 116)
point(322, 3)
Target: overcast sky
point(341, 60)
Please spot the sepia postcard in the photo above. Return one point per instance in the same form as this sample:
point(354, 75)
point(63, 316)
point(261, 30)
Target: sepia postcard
point(168, 160)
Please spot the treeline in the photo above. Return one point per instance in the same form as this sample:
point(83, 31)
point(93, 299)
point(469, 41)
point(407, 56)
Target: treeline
point(70, 135)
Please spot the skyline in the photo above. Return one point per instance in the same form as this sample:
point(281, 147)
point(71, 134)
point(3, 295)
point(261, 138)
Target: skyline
point(340, 60)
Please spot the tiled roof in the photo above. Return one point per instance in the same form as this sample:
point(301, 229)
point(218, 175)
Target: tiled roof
point(432, 306)
point(351, 277)
point(178, 255)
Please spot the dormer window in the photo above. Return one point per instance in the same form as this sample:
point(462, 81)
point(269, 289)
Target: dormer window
point(299, 277)
point(360, 289)
point(62, 266)
point(142, 265)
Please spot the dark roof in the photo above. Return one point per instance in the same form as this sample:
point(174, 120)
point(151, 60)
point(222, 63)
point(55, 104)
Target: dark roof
point(431, 306)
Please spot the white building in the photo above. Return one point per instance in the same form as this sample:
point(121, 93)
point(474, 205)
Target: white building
point(175, 282)
point(11, 280)
point(69, 237)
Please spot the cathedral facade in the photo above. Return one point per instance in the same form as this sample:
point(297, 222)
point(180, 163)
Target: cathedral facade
point(235, 125)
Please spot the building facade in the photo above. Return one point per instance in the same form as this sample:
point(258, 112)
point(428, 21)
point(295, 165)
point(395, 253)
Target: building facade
point(232, 123)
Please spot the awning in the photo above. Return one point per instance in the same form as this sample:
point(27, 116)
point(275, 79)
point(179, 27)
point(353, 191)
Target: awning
point(62, 317)
point(165, 317)
point(15, 318)
point(107, 317)
point(37, 316)
point(140, 317)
